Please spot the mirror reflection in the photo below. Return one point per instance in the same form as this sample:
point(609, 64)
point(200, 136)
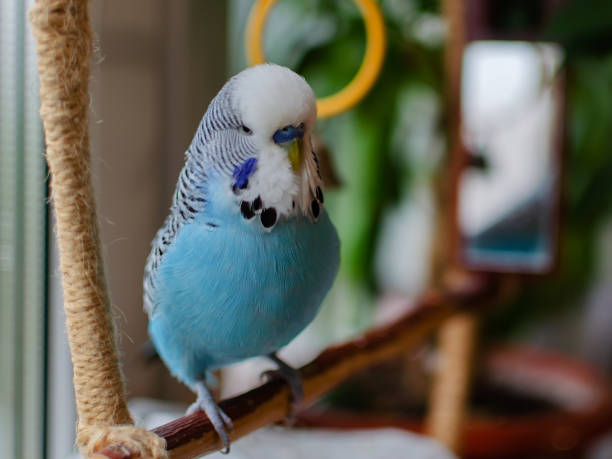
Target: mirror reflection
point(511, 130)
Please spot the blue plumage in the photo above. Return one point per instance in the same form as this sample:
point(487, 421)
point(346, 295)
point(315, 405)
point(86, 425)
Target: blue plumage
point(248, 252)
point(235, 291)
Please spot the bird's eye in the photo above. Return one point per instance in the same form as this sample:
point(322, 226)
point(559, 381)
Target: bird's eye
point(246, 130)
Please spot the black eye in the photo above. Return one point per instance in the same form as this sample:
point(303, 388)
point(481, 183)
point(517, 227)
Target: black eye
point(246, 130)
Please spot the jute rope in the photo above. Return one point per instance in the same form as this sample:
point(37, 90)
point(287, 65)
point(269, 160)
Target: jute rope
point(62, 30)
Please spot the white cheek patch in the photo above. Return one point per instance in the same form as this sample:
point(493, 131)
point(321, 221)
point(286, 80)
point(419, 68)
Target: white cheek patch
point(274, 181)
point(274, 191)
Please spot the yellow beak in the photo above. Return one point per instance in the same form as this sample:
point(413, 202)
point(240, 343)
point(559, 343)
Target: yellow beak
point(294, 152)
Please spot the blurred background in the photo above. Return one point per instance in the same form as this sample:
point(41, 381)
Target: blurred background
point(529, 115)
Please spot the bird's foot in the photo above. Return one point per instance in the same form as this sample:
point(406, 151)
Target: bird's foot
point(293, 379)
point(218, 418)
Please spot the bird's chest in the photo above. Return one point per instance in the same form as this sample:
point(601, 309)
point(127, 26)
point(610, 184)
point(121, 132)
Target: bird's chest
point(238, 293)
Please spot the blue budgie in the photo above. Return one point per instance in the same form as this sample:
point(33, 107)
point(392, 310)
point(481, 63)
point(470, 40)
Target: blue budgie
point(248, 252)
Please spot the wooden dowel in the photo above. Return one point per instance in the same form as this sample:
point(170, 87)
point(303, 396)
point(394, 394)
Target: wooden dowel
point(451, 385)
point(270, 403)
point(193, 435)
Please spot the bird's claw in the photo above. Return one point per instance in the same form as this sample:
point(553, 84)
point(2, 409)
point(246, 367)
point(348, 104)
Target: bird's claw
point(226, 420)
point(297, 395)
point(220, 421)
point(293, 380)
point(218, 418)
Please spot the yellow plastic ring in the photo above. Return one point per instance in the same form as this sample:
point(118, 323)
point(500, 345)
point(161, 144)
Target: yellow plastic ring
point(370, 67)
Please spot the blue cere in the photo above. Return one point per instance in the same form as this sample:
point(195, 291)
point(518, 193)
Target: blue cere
point(242, 173)
point(288, 133)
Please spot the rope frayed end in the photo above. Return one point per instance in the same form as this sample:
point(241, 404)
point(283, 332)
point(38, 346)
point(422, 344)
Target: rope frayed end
point(131, 440)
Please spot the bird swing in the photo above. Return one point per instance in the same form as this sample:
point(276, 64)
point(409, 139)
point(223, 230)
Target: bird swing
point(105, 427)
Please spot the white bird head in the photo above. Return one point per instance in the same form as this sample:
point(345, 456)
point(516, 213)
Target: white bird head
point(257, 132)
point(270, 98)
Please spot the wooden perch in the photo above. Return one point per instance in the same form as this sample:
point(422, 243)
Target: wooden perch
point(194, 435)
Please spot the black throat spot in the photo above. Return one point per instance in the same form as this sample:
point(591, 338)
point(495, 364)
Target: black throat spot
point(268, 217)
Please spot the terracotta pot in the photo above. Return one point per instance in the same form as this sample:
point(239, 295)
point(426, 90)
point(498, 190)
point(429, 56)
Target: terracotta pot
point(580, 400)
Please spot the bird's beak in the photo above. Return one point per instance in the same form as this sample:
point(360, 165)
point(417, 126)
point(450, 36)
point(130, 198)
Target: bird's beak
point(294, 153)
point(292, 140)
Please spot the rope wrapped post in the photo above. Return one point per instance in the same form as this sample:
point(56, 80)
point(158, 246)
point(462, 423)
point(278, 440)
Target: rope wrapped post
point(64, 48)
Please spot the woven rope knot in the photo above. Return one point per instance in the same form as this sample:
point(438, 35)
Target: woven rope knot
point(129, 439)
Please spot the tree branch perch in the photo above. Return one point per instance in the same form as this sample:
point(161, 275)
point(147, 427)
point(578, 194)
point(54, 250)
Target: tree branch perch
point(194, 435)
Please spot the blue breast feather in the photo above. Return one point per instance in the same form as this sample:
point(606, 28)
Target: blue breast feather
point(230, 293)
